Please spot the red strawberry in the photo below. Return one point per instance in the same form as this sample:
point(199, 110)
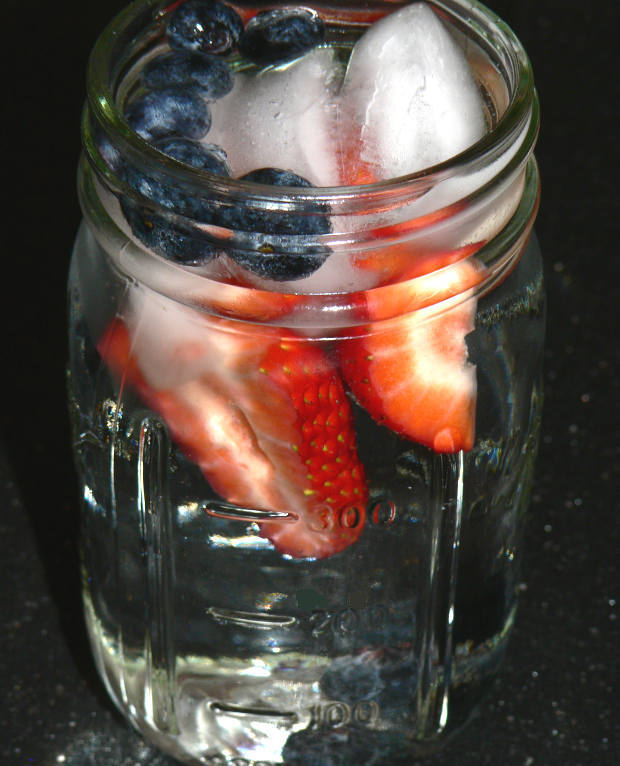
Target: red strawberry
point(241, 301)
point(354, 16)
point(273, 430)
point(410, 371)
point(353, 170)
point(403, 260)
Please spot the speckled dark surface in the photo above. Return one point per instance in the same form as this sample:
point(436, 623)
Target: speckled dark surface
point(556, 700)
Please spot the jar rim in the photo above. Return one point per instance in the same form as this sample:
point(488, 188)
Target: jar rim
point(485, 24)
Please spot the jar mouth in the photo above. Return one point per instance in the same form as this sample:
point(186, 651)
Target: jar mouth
point(108, 63)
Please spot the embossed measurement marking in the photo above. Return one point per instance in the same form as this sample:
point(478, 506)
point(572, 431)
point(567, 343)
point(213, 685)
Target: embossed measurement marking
point(342, 623)
point(219, 759)
point(346, 622)
point(242, 711)
point(333, 715)
point(221, 510)
point(382, 514)
point(260, 620)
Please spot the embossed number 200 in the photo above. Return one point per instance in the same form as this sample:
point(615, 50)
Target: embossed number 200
point(347, 622)
point(221, 760)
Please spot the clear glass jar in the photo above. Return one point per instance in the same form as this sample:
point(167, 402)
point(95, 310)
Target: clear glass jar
point(303, 500)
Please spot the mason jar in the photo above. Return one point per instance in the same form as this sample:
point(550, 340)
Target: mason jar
point(304, 419)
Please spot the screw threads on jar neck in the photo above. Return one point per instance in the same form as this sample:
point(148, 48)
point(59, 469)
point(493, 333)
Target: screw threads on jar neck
point(461, 204)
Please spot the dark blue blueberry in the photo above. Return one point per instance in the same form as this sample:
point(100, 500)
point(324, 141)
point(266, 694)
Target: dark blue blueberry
point(399, 677)
point(162, 194)
point(205, 26)
point(207, 157)
point(272, 37)
point(277, 245)
point(172, 241)
point(169, 111)
point(385, 675)
point(273, 257)
point(209, 76)
point(312, 221)
point(346, 746)
point(276, 177)
point(352, 678)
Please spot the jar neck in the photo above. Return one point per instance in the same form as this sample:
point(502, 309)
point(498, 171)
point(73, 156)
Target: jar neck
point(447, 206)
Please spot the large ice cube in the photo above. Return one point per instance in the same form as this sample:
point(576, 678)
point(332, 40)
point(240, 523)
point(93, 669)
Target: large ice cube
point(410, 94)
point(483, 218)
point(283, 117)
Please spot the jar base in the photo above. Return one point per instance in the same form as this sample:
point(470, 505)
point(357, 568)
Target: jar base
point(274, 710)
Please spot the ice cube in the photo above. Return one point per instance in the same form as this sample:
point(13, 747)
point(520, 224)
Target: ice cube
point(411, 93)
point(283, 117)
point(485, 216)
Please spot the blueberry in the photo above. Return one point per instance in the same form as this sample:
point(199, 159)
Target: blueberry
point(272, 37)
point(385, 675)
point(346, 746)
point(352, 678)
point(207, 157)
point(162, 194)
point(209, 76)
point(276, 244)
point(276, 177)
point(175, 241)
point(272, 257)
point(399, 678)
point(169, 111)
point(206, 26)
point(172, 241)
point(313, 221)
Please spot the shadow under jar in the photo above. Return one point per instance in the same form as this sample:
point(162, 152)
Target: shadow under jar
point(302, 507)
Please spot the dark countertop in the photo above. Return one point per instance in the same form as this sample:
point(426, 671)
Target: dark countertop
point(556, 701)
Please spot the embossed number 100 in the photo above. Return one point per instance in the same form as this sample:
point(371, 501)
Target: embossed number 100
point(333, 715)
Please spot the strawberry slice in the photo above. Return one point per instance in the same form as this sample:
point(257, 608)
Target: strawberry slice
point(240, 301)
point(353, 170)
point(402, 260)
point(359, 16)
point(272, 430)
point(410, 371)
